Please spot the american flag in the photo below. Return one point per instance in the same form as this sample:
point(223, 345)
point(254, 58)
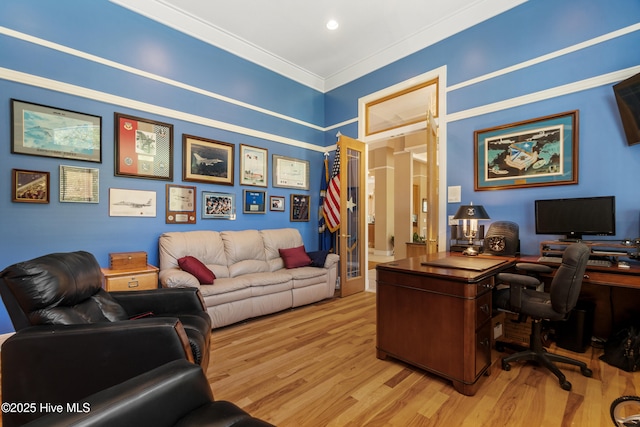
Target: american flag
point(331, 207)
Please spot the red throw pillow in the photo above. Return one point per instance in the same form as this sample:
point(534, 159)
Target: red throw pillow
point(295, 257)
point(197, 268)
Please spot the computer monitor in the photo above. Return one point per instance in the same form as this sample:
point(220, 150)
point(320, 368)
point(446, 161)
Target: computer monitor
point(575, 217)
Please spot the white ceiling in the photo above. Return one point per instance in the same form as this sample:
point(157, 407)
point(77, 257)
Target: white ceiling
point(290, 37)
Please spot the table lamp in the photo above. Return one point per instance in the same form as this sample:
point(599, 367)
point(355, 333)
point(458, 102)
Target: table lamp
point(472, 213)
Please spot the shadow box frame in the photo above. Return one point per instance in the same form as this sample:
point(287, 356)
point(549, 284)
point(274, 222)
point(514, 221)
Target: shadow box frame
point(143, 145)
point(300, 208)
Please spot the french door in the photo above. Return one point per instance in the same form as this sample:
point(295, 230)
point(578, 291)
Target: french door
point(351, 235)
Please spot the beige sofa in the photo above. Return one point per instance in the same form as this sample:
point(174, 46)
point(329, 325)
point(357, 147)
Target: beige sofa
point(250, 276)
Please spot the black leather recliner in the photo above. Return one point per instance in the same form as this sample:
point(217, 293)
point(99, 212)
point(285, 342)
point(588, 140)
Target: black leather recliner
point(73, 338)
point(175, 394)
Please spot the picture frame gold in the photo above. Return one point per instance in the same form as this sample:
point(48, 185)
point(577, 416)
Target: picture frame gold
point(207, 160)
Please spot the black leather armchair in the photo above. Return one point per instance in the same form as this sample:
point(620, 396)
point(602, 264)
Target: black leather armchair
point(175, 394)
point(563, 294)
point(73, 338)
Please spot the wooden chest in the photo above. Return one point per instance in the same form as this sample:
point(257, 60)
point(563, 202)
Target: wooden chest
point(127, 260)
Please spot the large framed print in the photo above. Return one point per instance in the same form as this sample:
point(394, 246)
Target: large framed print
point(290, 173)
point(79, 185)
point(144, 148)
point(206, 160)
point(41, 130)
point(531, 153)
point(125, 202)
point(299, 207)
point(180, 204)
point(253, 166)
point(254, 201)
point(29, 186)
point(218, 205)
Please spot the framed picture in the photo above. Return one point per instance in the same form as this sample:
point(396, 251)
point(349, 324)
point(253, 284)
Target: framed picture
point(206, 160)
point(144, 148)
point(531, 153)
point(123, 202)
point(254, 201)
point(253, 166)
point(79, 185)
point(40, 130)
point(218, 205)
point(299, 207)
point(276, 203)
point(29, 186)
point(180, 204)
point(290, 173)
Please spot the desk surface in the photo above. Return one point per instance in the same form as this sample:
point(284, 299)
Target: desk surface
point(441, 265)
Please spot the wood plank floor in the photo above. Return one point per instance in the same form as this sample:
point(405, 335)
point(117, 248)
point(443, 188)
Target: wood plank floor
point(317, 366)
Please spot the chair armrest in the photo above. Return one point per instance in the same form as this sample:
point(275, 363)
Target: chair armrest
point(159, 397)
point(534, 268)
point(517, 282)
point(161, 301)
point(176, 278)
point(59, 364)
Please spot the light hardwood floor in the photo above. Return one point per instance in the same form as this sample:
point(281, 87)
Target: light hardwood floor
point(317, 366)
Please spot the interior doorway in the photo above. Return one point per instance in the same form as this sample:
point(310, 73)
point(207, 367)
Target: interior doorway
point(404, 180)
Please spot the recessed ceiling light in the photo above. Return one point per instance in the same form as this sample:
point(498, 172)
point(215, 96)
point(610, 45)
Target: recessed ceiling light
point(332, 24)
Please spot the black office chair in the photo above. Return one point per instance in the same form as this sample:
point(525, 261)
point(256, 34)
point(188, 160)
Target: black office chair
point(555, 305)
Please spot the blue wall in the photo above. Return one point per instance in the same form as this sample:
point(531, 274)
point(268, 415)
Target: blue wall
point(530, 32)
point(106, 59)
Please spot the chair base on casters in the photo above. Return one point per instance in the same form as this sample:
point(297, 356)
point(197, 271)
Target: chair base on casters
point(537, 353)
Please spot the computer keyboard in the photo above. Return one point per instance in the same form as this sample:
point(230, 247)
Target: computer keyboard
point(591, 262)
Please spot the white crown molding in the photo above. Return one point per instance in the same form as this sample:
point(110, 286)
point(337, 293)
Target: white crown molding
point(478, 11)
point(197, 28)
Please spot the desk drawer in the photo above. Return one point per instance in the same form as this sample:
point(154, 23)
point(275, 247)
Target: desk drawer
point(143, 281)
point(483, 309)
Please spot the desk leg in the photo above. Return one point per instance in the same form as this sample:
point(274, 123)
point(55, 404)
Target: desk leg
point(381, 355)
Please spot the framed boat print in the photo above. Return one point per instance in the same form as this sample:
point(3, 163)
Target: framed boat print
point(253, 166)
point(290, 173)
point(531, 153)
point(29, 186)
point(40, 130)
point(206, 160)
point(144, 148)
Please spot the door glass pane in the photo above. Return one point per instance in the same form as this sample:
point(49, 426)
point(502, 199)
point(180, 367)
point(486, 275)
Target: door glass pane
point(354, 240)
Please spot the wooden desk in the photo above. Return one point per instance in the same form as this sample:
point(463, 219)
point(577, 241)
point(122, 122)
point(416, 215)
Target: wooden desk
point(437, 318)
point(615, 292)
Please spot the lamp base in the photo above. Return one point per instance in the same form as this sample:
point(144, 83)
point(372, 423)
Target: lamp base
point(471, 251)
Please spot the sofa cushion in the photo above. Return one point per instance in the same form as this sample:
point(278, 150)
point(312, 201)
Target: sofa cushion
point(194, 266)
point(295, 257)
point(205, 245)
point(318, 258)
point(280, 238)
